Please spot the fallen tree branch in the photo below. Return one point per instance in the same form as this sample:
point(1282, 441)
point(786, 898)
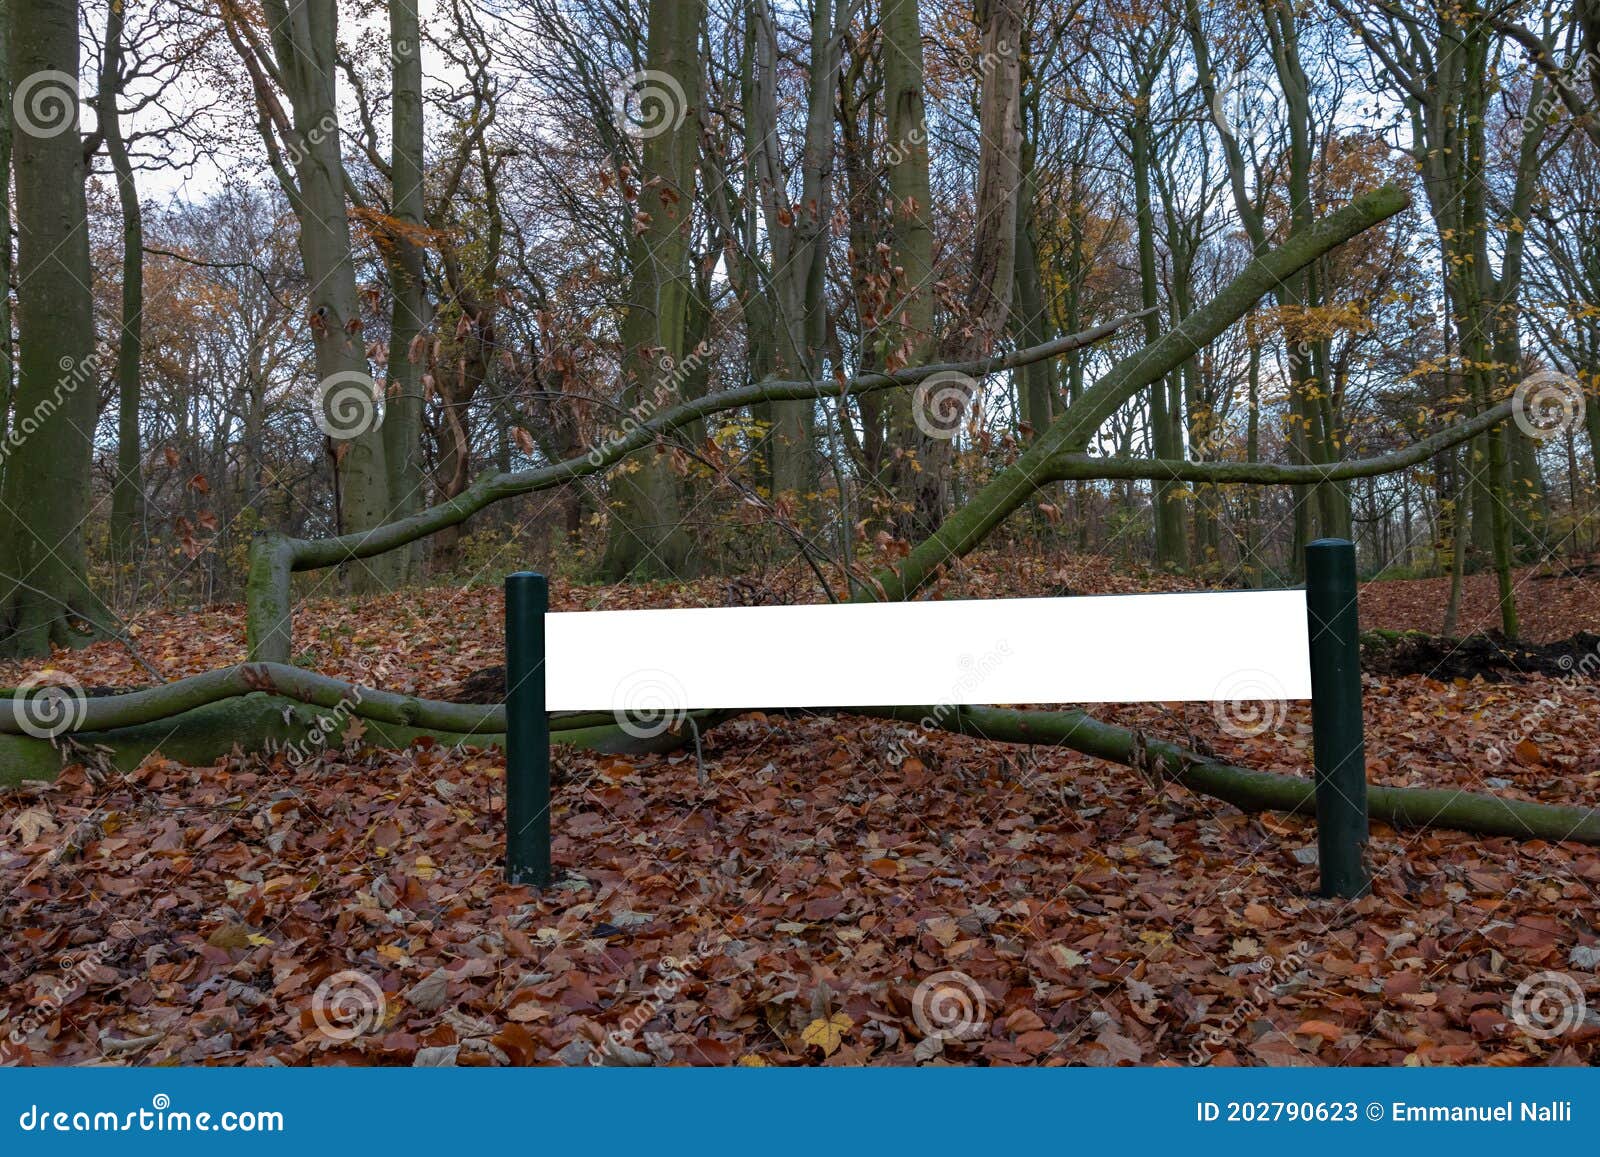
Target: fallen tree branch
point(203, 718)
point(112, 712)
point(259, 723)
point(1070, 433)
point(1084, 467)
point(312, 554)
point(152, 704)
point(1249, 790)
point(274, 557)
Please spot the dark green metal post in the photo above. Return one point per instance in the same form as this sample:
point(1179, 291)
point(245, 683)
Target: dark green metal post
point(527, 732)
point(1340, 751)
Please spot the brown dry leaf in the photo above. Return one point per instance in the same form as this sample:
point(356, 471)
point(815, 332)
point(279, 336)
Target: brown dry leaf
point(1322, 1028)
point(1047, 890)
point(31, 823)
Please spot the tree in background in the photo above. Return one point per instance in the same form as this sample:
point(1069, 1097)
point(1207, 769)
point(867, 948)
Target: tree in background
point(647, 537)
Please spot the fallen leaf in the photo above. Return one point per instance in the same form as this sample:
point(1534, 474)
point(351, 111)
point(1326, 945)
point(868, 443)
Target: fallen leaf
point(827, 1033)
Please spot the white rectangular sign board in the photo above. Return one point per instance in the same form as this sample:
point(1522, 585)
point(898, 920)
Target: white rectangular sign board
point(1234, 645)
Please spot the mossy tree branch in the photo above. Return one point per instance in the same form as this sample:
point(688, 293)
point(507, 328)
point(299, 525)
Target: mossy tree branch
point(274, 557)
point(1249, 790)
point(1084, 467)
point(270, 602)
point(261, 724)
point(1071, 432)
point(265, 707)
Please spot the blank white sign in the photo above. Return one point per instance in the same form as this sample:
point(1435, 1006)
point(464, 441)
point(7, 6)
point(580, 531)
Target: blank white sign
point(1234, 645)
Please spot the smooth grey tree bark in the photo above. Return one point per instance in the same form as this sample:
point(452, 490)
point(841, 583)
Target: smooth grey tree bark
point(299, 56)
point(645, 536)
point(127, 490)
point(410, 312)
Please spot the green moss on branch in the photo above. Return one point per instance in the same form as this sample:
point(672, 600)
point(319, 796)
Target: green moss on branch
point(1249, 790)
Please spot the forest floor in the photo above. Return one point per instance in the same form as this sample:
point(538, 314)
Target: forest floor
point(816, 899)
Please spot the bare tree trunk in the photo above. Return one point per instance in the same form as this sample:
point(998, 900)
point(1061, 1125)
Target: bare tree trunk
point(410, 311)
point(914, 473)
point(310, 168)
point(646, 534)
point(1171, 542)
point(46, 499)
point(795, 309)
point(127, 492)
point(994, 250)
point(7, 365)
